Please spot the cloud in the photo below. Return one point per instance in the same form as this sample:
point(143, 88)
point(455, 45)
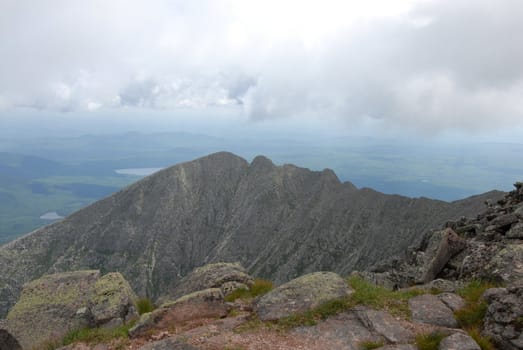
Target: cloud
point(425, 65)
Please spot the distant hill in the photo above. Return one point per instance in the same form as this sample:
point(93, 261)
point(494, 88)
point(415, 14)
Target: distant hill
point(278, 221)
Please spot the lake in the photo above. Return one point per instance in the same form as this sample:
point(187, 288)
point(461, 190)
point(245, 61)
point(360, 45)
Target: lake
point(137, 171)
point(51, 215)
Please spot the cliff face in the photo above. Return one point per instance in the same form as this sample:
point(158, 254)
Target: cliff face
point(278, 221)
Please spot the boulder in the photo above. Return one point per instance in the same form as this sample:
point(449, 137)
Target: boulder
point(428, 308)
point(399, 347)
point(227, 276)
point(516, 231)
point(450, 245)
point(458, 341)
point(474, 259)
point(52, 305)
point(343, 331)
point(206, 303)
point(502, 223)
point(506, 265)
point(112, 298)
point(452, 301)
point(302, 294)
point(439, 284)
point(385, 325)
point(168, 344)
point(504, 317)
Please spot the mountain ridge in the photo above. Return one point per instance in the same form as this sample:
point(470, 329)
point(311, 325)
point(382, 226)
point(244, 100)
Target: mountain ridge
point(279, 221)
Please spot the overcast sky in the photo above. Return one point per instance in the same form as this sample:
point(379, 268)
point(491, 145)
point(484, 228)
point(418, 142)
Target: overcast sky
point(429, 66)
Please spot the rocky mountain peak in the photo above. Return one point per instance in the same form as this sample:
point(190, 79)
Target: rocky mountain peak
point(279, 222)
point(261, 163)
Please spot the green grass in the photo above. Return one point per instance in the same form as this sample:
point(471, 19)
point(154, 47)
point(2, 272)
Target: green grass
point(429, 341)
point(484, 342)
point(370, 345)
point(473, 291)
point(260, 287)
point(96, 335)
point(471, 316)
point(91, 336)
point(311, 317)
point(473, 313)
point(144, 305)
point(365, 293)
point(394, 302)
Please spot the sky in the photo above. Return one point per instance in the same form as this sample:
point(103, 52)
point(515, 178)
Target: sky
point(445, 67)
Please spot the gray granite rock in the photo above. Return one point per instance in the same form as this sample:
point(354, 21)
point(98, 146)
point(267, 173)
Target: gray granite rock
point(227, 276)
point(516, 231)
point(504, 318)
point(458, 341)
point(302, 294)
point(168, 344)
point(207, 303)
point(385, 325)
point(506, 265)
point(51, 306)
point(344, 331)
point(399, 347)
point(452, 301)
point(428, 308)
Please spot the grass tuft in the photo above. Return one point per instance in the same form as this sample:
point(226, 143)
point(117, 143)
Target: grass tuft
point(395, 302)
point(144, 305)
point(473, 313)
point(311, 317)
point(429, 341)
point(473, 291)
point(370, 345)
point(484, 342)
point(92, 336)
point(260, 287)
point(97, 335)
point(471, 316)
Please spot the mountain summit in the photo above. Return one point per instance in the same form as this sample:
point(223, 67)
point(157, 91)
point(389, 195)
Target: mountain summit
point(278, 221)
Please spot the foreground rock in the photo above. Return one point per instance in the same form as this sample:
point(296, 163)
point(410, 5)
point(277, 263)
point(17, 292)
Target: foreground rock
point(458, 341)
point(344, 331)
point(452, 301)
point(302, 294)
point(54, 304)
point(168, 344)
point(487, 246)
point(225, 276)
point(207, 303)
point(385, 325)
point(428, 308)
point(504, 318)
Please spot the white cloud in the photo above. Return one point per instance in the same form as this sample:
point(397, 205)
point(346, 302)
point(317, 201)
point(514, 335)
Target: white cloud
point(428, 65)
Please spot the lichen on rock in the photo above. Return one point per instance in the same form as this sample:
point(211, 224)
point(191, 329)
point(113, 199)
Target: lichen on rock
point(54, 304)
point(302, 294)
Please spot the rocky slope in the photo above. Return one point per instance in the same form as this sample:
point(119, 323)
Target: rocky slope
point(278, 221)
point(488, 246)
point(459, 288)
